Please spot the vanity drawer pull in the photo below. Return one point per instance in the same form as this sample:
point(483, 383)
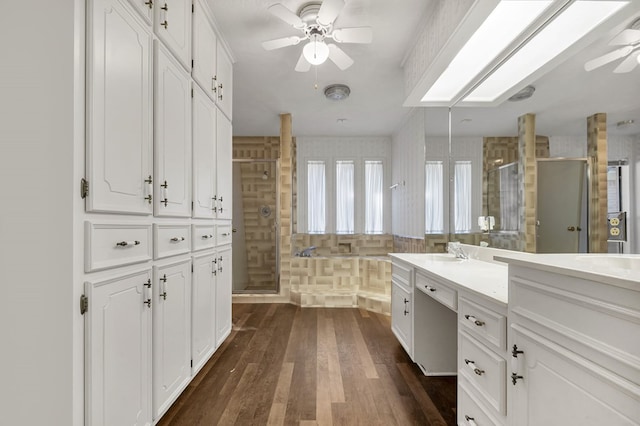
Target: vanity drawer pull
point(128, 243)
point(474, 320)
point(177, 239)
point(206, 237)
point(472, 366)
point(428, 287)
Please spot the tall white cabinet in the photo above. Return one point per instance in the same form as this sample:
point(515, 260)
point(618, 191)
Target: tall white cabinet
point(157, 219)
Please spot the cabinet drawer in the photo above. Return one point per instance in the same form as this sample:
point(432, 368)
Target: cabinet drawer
point(223, 234)
point(109, 245)
point(401, 273)
point(484, 323)
point(203, 236)
point(470, 410)
point(485, 371)
point(171, 240)
point(441, 292)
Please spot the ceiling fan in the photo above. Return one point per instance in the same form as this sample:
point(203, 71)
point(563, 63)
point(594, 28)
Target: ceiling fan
point(629, 39)
point(315, 21)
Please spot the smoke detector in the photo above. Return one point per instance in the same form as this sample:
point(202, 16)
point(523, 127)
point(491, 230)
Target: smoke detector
point(337, 92)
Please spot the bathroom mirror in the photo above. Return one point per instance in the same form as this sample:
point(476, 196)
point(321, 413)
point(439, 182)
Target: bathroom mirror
point(502, 200)
point(561, 103)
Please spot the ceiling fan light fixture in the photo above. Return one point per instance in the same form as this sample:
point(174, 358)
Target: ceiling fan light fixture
point(316, 51)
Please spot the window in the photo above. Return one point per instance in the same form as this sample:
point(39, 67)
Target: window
point(345, 211)
point(316, 197)
point(434, 197)
point(374, 196)
point(462, 196)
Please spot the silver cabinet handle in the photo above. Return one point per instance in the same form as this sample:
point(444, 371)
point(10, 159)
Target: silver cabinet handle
point(164, 193)
point(128, 243)
point(226, 234)
point(206, 237)
point(428, 287)
point(473, 367)
point(163, 287)
point(177, 239)
point(470, 420)
point(474, 320)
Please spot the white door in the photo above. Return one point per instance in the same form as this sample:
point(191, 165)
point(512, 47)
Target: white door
point(559, 387)
point(172, 24)
point(119, 114)
point(223, 294)
point(204, 51)
point(203, 331)
point(560, 204)
point(172, 139)
point(401, 316)
point(224, 165)
point(118, 351)
point(224, 74)
point(171, 333)
point(204, 155)
point(144, 8)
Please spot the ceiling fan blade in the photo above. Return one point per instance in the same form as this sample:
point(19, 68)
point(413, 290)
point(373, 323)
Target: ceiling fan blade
point(280, 11)
point(303, 65)
point(353, 35)
point(329, 11)
point(607, 57)
point(341, 59)
point(628, 64)
point(628, 36)
point(281, 42)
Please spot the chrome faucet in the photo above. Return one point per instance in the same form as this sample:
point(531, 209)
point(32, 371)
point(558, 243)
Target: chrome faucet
point(456, 249)
point(305, 252)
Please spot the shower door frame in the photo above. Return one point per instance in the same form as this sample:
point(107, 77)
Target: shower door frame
point(276, 162)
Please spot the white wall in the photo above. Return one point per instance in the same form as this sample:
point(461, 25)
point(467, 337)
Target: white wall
point(38, 130)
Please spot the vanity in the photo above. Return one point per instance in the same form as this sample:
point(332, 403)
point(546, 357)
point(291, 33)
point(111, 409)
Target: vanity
point(534, 339)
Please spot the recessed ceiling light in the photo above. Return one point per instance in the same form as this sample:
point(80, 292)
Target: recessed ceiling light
point(523, 94)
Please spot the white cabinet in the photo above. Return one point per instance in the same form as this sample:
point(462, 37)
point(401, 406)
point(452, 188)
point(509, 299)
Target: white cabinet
point(203, 312)
point(224, 79)
point(204, 155)
point(579, 361)
point(119, 110)
point(172, 139)
point(223, 294)
point(205, 44)
point(224, 169)
point(402, 305)
point(144, 8)
point(118, 350)
point(171, 333)
point(172, 24)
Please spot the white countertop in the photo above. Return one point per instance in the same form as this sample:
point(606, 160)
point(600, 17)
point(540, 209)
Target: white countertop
point(622, 270)
point(487, 279)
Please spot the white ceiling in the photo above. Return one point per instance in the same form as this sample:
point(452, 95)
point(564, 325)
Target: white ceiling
point(266, 85)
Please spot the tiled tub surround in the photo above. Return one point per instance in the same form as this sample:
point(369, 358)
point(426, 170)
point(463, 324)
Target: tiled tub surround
point(344, 271)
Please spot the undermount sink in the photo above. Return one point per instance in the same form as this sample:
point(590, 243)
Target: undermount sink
point(631, 263)
point(435, 257)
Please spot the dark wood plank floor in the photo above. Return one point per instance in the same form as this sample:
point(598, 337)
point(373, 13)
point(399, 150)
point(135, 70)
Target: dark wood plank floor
point(286, 365)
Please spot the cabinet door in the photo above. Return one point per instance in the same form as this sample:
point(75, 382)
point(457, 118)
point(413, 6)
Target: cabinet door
point(144, 8)
point(204, 51)
point(172, 141)
point(401, 316)
point(224, 166)
point(119, 114)
point(224, 75)
point(204, 155)
point(560, 387)
point(118, 351)
point(223, 295)
point(203, 318)
point(172, 24)
point(171, 333)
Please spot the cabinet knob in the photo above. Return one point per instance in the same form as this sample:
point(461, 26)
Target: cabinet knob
point(474, 320)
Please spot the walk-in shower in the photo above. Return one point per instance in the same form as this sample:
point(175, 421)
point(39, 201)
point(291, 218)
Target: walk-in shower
point(255, 224)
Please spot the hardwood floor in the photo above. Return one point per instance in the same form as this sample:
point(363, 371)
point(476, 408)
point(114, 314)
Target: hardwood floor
point(286, 365)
